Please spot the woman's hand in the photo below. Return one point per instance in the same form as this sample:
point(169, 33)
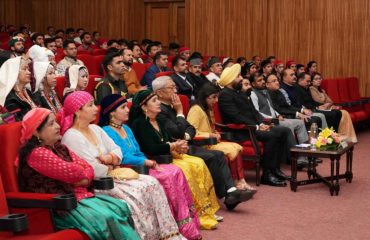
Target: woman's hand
point(150, 163)
point(181, 146)
point(105, 159)
point(84, 182)
point(216, 135)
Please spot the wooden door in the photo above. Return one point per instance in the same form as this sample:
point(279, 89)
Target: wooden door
point(165, 21)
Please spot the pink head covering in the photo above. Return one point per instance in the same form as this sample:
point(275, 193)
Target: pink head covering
point(31, 121)
point(72, 104)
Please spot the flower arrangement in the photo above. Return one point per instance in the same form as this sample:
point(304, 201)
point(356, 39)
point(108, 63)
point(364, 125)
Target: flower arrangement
point(328, 139)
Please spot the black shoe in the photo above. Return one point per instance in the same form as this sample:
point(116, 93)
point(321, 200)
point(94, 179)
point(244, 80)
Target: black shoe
point(268, 178)
point(231, 207)
point(245, 195)
point(280, 175)
point(238, 196)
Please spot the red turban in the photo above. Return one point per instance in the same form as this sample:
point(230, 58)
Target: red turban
point(289, 63)
point(183, 49)
point(278, 62)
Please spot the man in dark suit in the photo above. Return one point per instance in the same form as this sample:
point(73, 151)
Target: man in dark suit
point(159, 65)
point(184, 86)
point(237, 107)
point(179, 128)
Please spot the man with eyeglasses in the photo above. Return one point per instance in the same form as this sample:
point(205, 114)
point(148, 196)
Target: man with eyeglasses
point(176, 124)
point(215, 69)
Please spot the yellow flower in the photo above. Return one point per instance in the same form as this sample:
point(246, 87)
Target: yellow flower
point(326, 132)
point(318, 142)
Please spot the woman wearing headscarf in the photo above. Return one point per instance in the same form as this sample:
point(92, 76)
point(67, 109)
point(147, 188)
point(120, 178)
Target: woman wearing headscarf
point(143, 194)
point(114, 113)
point(76, 79)
point(154, 140)
point(47, 166)
point(201, 116)
point(319, 95)
point(14, 76)
point(43, 84)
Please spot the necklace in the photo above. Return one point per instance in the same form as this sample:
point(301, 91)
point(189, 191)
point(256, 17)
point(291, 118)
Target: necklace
point(115, 125)
point(49, 100)
point(23, 95)
point(122, 133)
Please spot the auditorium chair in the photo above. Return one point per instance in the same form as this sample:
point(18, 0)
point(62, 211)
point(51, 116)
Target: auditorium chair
point(185, 103)
point(140, 70)
point(252, 149)
point(59, 88)
point(37, 206)
point(93, 81)
point(98, 64)
point(16, 226)
point(97, 52)
point(89, 62)
point(160, 74)
point(81, 52)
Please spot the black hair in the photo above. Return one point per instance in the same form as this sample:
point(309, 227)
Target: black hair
point(254, 76)
point(177, 59)
point(313, 76)
point(111, 41)
point(264, 63)
point(109, 58)
point(79, 29)
point(269, 58)
point(157, 43)
point(150, 46)
point(173, 45)
point(69, 30)
point(241, 59)
point(94, 33)
point(58, 31)
point(49, 27)
point(299, 66)
point(195, 55)
point(310, 63)
point(132, 46)
point(302, 75)
point(21, 29)
point(67, 42)
point(16, 33)
point(254, 57)
point(146, 41)
point(49, 40)
point(204, 92)
point(83, 35)
point(158, 55)
point(35, 35)
point(26, 150)
point(123, 41)
point(57, 37)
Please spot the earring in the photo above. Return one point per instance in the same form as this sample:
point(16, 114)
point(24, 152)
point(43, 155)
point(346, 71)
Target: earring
point(38, 139)
point(146, 114)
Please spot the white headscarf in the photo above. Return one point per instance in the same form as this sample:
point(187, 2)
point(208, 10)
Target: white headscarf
point(73, 76)
point(9, 72)
point(39, 71)
point(39, 54)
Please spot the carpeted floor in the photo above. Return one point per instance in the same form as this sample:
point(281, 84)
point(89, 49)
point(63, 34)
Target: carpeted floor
point(310, 213)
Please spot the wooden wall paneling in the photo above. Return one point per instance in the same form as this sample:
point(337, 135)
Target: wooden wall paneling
point(157, 22)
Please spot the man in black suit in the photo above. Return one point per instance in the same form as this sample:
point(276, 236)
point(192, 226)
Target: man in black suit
point(237, 107)
point(179, 128)
point(184, 86)
point(195, 75)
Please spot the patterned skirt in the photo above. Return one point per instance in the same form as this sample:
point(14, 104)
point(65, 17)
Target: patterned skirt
point(101, 217)
point(179, 197)
point(202, 188)
point(149, 207)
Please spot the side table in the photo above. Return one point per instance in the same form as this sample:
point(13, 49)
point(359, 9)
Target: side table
point(331, 181)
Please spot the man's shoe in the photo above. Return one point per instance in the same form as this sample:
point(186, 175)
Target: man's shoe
point(238, 196)
point(231, 207)
point(245, 195)
point(280, 175)
point(268, 178)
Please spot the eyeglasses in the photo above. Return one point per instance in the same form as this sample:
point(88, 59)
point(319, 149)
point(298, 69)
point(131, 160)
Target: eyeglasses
point(172, 87)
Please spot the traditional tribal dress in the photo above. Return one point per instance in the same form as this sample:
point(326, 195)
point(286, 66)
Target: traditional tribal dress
point(53, 170)
point(144, 196)
point(171, 178)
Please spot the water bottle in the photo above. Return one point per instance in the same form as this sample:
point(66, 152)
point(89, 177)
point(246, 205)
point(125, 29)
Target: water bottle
point(313, 135)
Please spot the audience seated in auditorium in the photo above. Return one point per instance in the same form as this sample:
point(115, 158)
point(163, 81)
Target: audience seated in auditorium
point(95, 38)
point(184, 52)
point(319, 95)
point(112, 43)
point(311, 67)
point(136, 53)
point(151, 50)
point(304, 98)
point(76, 79)
point(50, 32)
point(154, 140)
point(195, 75)
point(173, 49)
point(144, 45)
point(47, 166)
point(266, 69)
point(70, 34)
point(58, 42)
point(159, 65)
point(70, 51)
point(215, 69)
point(86, 43)
point(38, 39)
point(78, 34)
point(249, 68)
point(257, 61)
point(291, 64)
point(144, 195)
point(43, 84)
point(201, 117)
point(59, 33)
point(114, 113)
point(236, 107)
point(184, 86)
point(278, 69)
point(51, 45)
point(129, 74)
point(177, 127)
point(300, 69)
point(16, 45)
point(14, 76)
point(288, 86)
point(112, 81)
point(227, 62)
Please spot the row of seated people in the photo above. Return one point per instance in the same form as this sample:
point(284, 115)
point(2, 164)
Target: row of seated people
point(101, 155)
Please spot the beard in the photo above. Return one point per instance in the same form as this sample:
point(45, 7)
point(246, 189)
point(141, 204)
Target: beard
point(237, 86)
point(19, 51)
point(248, 92)
point(128, 63)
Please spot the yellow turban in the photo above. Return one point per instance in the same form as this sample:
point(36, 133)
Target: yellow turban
point(229, 74)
